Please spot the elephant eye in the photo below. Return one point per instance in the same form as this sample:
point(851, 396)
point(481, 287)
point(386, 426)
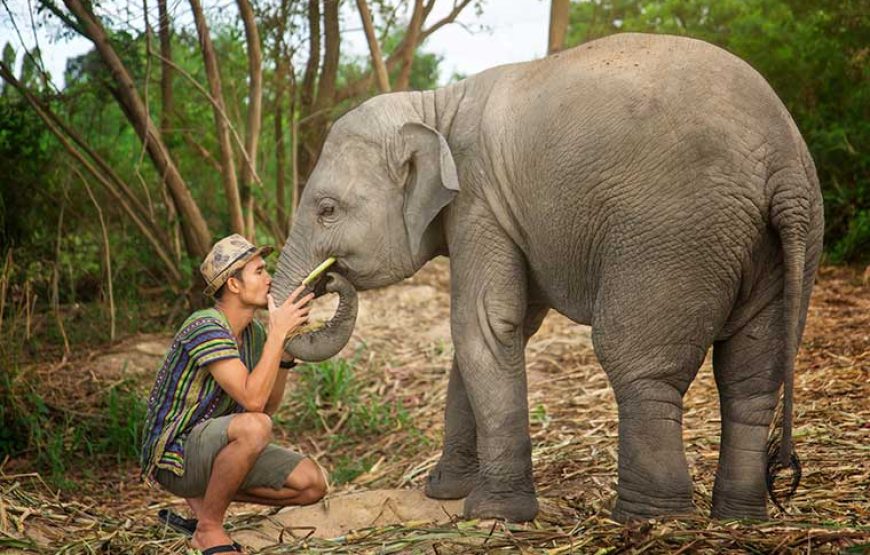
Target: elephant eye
point(326, 210)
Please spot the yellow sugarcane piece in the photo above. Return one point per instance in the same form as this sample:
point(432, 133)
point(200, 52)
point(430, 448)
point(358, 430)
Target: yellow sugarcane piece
point(319, 270)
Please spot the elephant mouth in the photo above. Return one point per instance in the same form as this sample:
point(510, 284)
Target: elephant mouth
point(318, 286)
point(323, 340)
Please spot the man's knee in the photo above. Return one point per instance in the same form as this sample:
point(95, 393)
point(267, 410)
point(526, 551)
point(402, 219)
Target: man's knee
point(310, 479)
point(254, 428)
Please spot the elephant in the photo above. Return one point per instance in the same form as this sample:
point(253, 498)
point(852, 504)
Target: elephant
point(652, 187)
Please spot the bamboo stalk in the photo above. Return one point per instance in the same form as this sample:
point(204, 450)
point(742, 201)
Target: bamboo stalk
point(28, 308)
point(4, 284)
point(107, 255)
point(55, 280)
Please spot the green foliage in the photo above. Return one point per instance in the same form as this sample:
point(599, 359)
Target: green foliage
point(62, 440)
point(813, 53)
point(26, 149)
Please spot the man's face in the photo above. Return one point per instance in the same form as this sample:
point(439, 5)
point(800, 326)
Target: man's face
point(255, 282)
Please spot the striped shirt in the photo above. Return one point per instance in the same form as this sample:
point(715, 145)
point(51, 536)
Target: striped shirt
point(185, 392)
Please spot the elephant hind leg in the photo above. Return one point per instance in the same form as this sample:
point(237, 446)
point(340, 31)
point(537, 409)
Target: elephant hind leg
point(748, 369)
point(651, 343)
point(653, 473)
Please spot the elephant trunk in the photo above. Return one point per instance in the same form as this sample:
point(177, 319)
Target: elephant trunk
point(325, 342)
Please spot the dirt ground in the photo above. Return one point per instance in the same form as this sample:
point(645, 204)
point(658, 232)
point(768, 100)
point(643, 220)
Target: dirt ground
point(402, 352)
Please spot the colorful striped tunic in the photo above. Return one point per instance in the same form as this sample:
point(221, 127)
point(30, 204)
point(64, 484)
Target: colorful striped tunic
point(185, 392)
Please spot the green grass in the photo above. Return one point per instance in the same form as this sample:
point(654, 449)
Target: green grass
point(332, 398)
point(347, 468)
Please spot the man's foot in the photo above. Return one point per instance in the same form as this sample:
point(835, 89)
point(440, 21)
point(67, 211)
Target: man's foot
point(212, 535)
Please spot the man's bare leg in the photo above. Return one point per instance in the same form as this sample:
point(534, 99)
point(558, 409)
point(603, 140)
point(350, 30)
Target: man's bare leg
point(195, 504)
point(305, 485)
point(247, 436)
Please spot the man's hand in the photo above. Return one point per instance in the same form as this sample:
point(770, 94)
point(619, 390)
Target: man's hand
point(291, 314)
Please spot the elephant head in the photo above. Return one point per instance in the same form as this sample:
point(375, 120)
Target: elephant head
point(373, 202)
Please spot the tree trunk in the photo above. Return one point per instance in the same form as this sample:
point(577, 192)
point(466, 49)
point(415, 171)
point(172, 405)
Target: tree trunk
point(280, 157)
point(231, 186)
point(383, 79)
point(306, 96)
point(283, 69)
point(165, 68)
point(166, 108)
point(196, 232)
point(332, 50)
point(559, 13)
point(414, 28)
point(255, 99)
point(316, 120)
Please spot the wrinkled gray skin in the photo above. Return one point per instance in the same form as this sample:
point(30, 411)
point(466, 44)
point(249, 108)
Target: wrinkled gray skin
point(653, 187)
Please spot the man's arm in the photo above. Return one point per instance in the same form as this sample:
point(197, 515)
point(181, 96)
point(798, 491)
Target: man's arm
point(277, 392)
point(254, 390)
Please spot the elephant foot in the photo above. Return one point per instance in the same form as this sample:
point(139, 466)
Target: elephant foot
point(738, 513)
point(740, 497)
point(627, 511)
point(735, 509)
point(519, 506)
point(444, 482)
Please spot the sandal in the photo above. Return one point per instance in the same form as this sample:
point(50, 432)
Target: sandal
point(228, 548)
point(177, 522)
point(188, 526)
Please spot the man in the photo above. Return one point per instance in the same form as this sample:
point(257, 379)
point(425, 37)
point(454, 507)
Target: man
point(208, 428)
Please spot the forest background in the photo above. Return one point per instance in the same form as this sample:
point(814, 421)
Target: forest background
point(187, 122)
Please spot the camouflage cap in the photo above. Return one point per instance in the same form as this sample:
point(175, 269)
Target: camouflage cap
point(226, 256)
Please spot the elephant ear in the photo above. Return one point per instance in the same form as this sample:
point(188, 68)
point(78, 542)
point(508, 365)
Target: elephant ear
point(433, 180)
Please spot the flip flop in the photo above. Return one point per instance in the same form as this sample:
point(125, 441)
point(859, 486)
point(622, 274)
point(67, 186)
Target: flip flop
point(188, 526)
point(227, 548)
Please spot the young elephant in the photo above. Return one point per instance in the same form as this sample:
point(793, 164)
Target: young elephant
point(653, 187)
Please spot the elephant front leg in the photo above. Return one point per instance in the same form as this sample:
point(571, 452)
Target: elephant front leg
point(488, 310)
point(456, 473)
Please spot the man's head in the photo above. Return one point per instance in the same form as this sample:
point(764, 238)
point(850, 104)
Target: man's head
point(236, 267)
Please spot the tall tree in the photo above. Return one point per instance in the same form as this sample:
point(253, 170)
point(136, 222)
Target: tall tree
point(255, 99)
point(196, 233)
point(380, 69)
point(410, 46)
point(221, 120)
point(164, 30)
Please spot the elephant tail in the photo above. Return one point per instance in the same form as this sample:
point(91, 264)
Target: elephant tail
point(791, 215)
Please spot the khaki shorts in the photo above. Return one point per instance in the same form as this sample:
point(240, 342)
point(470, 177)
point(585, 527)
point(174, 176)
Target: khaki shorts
point(203, 445)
